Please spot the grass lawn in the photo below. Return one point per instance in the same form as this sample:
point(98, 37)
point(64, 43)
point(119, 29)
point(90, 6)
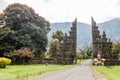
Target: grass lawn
point(15, 72)
point(110, 72)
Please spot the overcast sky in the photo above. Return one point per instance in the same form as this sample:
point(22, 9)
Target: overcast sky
point(68, 10)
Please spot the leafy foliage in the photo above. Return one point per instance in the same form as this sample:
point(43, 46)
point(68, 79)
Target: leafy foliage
point(23, 56)
point(116, 47)
point(54, 47)
point(58, 35)
point(116, 50)
point(18, 14)
point(88, 50)
point(82, 54)
point(26, 29)
point(85, 53)
point(7, 40)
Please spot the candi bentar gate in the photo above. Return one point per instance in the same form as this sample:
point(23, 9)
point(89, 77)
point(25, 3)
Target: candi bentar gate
point(102, 47)
point(68, 47)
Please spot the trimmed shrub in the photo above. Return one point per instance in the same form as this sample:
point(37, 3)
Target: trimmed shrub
point(4, 61)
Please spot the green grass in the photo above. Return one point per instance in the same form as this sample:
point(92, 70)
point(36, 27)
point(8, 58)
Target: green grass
point(14, 72)
point(110, 72)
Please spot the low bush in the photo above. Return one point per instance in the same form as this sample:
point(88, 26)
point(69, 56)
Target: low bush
point(4, 61)
point(23, 56)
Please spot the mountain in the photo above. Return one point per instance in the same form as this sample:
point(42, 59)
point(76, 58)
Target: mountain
point(84, 31)
point(112, 29)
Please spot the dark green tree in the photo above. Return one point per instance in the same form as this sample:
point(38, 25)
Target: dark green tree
point(58, 35)
point(29, 28)
point(7, 40)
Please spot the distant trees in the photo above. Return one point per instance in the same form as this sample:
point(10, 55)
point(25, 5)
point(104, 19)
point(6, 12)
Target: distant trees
point(116, 50)
point(81, 54)
point(88, 50)
point(23, 28)
point(57, 37)
point(54, 47)
point(116, 47)
point(85, 53)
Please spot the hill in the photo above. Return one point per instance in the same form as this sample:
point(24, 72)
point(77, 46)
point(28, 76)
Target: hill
point(112, 29)
point(84, 33)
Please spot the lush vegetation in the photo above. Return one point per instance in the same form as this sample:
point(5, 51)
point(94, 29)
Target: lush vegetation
point(54, 47)
point(116, 50)
point(110, 72)
point(23, 28)
point(85, 53)
point(14, 72)
point(21, 56)
point(58, 35)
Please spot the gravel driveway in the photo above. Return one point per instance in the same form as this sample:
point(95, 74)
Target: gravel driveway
point(82, 71)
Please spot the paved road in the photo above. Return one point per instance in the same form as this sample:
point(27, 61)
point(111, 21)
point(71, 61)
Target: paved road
point(79, 72)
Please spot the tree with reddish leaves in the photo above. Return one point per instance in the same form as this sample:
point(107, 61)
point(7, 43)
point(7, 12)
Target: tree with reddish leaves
point(23, 56)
